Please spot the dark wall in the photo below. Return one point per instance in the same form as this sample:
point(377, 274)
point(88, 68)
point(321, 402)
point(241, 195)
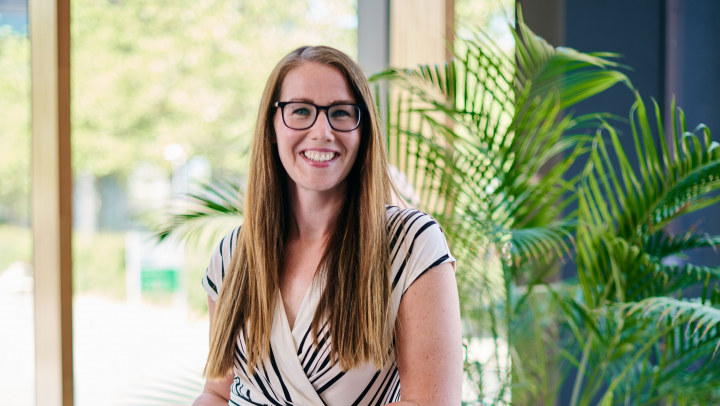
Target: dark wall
point(635, 29)
point(699, 95)
point(700, 55)
point(673, 49)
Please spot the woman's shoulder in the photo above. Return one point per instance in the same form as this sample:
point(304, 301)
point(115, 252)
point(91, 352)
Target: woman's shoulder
point(417, 244)
point(219, 262)
point(395, 212)
point(407, 218)
point(227, 243)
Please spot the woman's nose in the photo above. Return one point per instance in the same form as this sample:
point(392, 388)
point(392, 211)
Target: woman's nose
point(321, 130)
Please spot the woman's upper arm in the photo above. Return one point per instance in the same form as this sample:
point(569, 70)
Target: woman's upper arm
point(215, 392)
point(429, 339)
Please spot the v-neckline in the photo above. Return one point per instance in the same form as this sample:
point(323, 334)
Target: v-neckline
point(286, 357)
point(300, 311)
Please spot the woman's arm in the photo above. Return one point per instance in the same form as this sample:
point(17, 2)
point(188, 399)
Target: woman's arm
point(429, 340)
point(214, 393)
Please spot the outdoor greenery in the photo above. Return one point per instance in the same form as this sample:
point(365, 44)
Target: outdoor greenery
point(148, 74)
point(487, 141)
point(15, 129)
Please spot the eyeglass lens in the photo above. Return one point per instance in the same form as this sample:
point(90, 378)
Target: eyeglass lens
point(301, 116)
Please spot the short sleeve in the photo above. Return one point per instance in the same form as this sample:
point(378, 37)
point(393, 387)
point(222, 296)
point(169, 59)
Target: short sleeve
point(422, 246)
point(219, 261)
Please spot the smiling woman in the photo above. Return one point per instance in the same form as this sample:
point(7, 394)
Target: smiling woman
point(311, 300)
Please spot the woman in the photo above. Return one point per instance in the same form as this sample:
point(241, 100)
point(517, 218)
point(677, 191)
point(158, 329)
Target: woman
point(311, 300)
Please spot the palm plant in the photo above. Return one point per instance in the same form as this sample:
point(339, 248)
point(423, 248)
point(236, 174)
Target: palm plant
point(639, 338)
point(488, 147)
point(486, 141)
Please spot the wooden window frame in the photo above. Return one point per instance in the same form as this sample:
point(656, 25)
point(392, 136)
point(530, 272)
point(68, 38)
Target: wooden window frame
point(52, 200)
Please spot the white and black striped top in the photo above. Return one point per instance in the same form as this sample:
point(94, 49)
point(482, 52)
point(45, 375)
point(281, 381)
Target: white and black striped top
point(301, 374)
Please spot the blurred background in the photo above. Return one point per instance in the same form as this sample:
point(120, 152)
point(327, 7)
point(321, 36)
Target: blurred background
point(164, 97)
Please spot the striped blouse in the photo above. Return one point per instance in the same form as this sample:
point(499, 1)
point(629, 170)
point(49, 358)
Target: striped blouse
point(297, 372)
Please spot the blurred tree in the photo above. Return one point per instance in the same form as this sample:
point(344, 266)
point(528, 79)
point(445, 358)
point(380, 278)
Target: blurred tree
point(14, 125)
point(147, 74)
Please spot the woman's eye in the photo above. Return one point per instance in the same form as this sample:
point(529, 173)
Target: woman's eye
point(340, 113)
point(301, 111)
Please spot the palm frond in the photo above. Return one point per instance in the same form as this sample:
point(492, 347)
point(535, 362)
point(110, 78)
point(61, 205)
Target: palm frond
point(623, 248)
point(661, 244)
point(204, 215)
point(658, 279)
point(574, 75)
point(474, 136)
point(178, 389)
point(703, 317)
point(691, 334)
point(542, 244)
point(676, 277)
point(664, 187)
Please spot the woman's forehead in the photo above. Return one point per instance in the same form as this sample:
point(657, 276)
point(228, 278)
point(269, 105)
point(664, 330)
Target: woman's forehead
point(318, 83)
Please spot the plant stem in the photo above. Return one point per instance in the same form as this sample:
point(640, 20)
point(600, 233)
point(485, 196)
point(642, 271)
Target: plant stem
point(581, 371)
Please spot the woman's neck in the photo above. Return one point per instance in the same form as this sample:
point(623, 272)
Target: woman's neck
point(314, 213)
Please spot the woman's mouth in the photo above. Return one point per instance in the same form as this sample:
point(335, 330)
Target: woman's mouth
point(318, 156)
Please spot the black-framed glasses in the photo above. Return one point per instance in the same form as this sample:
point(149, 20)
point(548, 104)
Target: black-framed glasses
point(302, 115)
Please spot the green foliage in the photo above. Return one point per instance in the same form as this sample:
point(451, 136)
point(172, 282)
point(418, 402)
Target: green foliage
point(147, 74)
point(98, 260)
point(202, 217)
point(15, 128)
point(624, 251)
point(99, 264)
point(17, 245)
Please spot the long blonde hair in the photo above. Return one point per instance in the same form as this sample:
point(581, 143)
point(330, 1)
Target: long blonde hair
point(355, 268)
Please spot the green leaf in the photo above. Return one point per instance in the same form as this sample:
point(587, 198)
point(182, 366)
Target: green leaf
point(201, 216)
point(703, 317)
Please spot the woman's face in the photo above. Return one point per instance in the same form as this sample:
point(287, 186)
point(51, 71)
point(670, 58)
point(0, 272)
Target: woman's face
point(318, 158)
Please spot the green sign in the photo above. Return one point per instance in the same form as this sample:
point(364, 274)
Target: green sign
point(159, 280)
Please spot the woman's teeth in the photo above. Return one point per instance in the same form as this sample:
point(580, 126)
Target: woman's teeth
point(319, 156)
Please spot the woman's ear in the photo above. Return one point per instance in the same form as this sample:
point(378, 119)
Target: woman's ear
point(273, 138)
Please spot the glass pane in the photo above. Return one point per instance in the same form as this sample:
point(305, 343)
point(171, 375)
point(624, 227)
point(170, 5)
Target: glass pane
point(17, 351)
point(492, 17)
point(164, 97)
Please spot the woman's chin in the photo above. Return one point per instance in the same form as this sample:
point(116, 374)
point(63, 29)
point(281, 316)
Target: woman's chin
point(320, 187)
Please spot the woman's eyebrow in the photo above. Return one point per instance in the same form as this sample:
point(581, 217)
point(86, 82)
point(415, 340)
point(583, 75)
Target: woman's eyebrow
point(300, 99)
point(305, 100)
point(342, 102)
